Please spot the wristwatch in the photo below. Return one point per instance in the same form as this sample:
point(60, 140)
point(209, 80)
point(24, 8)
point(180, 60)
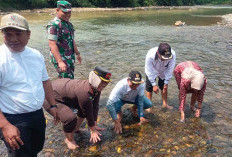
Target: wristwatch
point(52, 106)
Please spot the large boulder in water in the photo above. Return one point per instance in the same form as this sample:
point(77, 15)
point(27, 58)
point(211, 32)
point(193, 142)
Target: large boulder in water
point(179, 23)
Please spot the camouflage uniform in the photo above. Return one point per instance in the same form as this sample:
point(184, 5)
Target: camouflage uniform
point(63, 32)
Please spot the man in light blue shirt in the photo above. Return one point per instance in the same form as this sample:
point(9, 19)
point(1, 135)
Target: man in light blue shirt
point(131, 91)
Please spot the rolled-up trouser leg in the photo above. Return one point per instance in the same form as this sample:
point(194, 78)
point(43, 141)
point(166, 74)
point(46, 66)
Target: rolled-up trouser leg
point(66, 115)
point(147, 103)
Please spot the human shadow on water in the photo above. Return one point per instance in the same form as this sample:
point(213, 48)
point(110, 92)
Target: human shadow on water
point(207, 115)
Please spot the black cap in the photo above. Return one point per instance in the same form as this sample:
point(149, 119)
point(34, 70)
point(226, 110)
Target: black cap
point(102, 73)
point(165, 51)
point(135, 77)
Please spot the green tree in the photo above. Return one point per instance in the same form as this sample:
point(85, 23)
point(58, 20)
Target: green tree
point(147, 2)
point(80, 3)
point(101, 3)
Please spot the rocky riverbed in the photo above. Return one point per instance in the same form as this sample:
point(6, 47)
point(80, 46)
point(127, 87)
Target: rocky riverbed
point(164, 135)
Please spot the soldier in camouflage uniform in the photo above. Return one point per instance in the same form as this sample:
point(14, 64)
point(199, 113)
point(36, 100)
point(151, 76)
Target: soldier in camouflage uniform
point(61, 41)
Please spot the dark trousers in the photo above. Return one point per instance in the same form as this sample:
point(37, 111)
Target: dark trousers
point(149, 87)
point(32, 131)
point(66, 115)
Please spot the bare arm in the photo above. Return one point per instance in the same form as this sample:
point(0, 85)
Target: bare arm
point(10, 132)
point(51, 100)
point(56, 53)
point(3, 120)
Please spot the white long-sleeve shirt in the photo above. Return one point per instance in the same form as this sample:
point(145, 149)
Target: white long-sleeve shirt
point(155, 67)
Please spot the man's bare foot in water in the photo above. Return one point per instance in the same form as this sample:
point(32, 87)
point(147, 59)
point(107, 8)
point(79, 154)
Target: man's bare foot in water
point(71, 144)
point(198, 113)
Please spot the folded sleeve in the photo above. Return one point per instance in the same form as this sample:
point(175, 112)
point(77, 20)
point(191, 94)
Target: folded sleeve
point(52, 31)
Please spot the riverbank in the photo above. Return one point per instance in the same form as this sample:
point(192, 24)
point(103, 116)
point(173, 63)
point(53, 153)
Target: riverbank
point(51, 10)
point(80, 9)
point(227, 19)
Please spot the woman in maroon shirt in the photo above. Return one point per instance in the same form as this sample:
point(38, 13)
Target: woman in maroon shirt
point(190, 79)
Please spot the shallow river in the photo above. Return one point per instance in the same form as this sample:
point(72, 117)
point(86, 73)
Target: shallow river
point(119, 41)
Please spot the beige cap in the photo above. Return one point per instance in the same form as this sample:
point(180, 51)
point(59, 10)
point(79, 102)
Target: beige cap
point(14, 21)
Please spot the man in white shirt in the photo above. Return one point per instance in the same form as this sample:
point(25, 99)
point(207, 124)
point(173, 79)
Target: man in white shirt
point(131, 91)
point(160, 62)
point(24, 84)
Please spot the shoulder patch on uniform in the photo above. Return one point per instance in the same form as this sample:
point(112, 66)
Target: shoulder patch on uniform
point(57, 21)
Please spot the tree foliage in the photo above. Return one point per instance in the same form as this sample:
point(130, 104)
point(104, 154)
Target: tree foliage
point(30, 4)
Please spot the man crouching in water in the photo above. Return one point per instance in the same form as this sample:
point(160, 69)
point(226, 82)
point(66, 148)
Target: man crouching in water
point(84, 96)
point(129, 90)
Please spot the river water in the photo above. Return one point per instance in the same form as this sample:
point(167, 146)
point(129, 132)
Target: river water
point(119, 41)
